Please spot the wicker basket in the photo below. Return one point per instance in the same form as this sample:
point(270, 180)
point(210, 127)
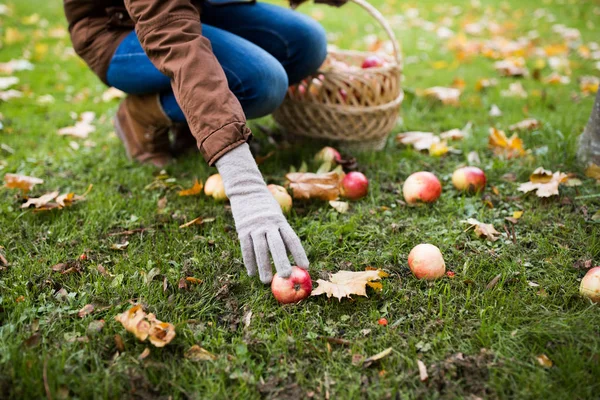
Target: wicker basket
point(355, 108)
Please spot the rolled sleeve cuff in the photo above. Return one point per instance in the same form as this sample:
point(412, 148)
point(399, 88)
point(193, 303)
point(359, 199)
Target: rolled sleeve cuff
point(223, 140)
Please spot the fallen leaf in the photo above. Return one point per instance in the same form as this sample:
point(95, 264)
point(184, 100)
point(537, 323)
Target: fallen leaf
point(86, 310)
point(144, 354)
point(95, 327)
point(119, 246)
point(493, 282)
point(22, 182)
point(517, 214)
point(453, 134)
point(10, 94)
point(529, 124)
point(306, 185)
point(543, 182)
point(589, 84)
point(473, 158)
point(41, 201)
point(515, 89)
point(119, 343)
point(111, 94)
point(485, 83)
point(196, 221)
point(345, 283)
point(367, 362)
point(15, 66)
point(592, 171)
point(482, 229)
point(438, 149)
point(556, 79)
point(509, 147)
point(495, 111)
point(146, 326)
point(419, 140)
point(448, 96)
point(544, 361)
point(340, 206)
point(193, 280)
point(6, 82)
point(82, 128)
point(511, 67)
point(423, 376)
point(194, 190)
point(197, 353)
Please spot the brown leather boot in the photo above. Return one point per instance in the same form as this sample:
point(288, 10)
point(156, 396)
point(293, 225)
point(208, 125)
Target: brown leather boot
point(183, 140)
point(143, 127)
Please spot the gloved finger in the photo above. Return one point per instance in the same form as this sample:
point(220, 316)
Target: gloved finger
point(261, 251)
point(294, 246)
point(279, 254)
point(248, 255)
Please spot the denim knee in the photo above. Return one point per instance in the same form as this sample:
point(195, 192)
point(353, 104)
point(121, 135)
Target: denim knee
point(264, 90)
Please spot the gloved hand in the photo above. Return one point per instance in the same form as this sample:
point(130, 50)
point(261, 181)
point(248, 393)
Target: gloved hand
point(259, 222)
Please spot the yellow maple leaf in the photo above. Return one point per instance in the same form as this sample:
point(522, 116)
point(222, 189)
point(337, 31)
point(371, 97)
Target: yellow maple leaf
point(544, 182)
point(194, 190)
point(502, 145)
point(346, 283)
point(23, 182)
point(146, 326)
point(438, 149)
point(482, 229)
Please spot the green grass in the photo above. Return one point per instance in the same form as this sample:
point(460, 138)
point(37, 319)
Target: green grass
point(283, 352)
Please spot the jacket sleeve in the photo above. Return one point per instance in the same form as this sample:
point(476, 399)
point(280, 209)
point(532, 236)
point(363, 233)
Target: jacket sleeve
point(171, 35)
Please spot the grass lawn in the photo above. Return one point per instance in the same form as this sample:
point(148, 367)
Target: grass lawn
point(475, 338)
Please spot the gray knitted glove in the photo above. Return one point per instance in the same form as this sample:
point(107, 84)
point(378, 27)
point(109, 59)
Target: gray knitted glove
point(259, 222)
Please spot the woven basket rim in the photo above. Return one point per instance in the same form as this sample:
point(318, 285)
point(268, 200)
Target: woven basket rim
point(392, 63)
point(347, 109)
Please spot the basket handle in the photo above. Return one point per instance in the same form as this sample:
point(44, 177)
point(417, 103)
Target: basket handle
point(386, 26)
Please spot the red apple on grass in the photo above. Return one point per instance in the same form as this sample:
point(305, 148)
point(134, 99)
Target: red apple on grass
point(372, 62)
point(590, 285)
point(293, 289)
point(426, 262)
point(421, 187)
point(469, 179)
point(328, 154)
point(355, 185)
point(282, 196)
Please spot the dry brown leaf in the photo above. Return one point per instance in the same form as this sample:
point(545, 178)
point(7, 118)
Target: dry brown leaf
point(144, 354)
point(525, 125)
point(419, 140)
point(557, 79)
point(146, 326)
point(515, 89)
point(119, 246)
point(593, 171)
point(589, 84)
point(511, 67)
point(22, 182)
point(453, 134)
point(482, 229)
point(194, 190)
point(197, 353)
point(193, 280)
point(545, 185)
point(485, 83)
point(544, 361)
point(82, 128)
point(448, 96)
point(340, 206)
point(196, 221)
point(367, 362)
point(41, 201)
point(502, 145)
point(86, 310)
point(423, 375)
point(345, 283)
point(306, 185)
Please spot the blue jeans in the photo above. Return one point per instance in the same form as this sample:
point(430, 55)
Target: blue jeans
point(262, 48)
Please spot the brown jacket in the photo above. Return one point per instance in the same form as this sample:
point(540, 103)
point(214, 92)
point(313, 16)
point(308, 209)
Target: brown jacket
point(171, 35)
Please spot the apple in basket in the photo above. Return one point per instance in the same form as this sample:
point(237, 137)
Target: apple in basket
point(373, 61)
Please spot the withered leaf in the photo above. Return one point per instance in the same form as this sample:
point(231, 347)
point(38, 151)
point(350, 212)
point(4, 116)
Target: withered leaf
point(111, 94)
point(196, 221)
point(197, 353)
point(419, 140)
point(593, 171)
point(346, 283)
point(482, 229)
point(423, 375)
point(511, 67)
point(95, 327)
point(86, 310)
point(196, 189)
point(340, 206)
point(41, 201)
point(82, 128)
point(144, 354)
point(120, 246)
point(509, 147)
point(22, 182)
point(119, 343)
point(306, 185)
point(544, 361)
point(193, 280)
point(146, 326)
point(33, 340)
point(448, 96)
point(368, 361)
point(542, 183)
point(525, 125)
